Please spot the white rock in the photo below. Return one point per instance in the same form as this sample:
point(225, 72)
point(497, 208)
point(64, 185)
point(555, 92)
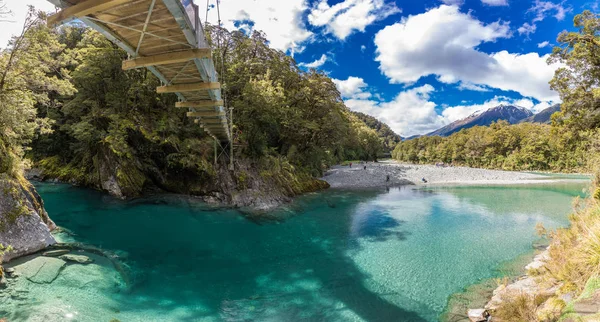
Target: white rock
point(477, 315)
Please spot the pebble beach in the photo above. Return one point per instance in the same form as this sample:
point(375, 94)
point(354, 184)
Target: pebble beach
point(376, 175)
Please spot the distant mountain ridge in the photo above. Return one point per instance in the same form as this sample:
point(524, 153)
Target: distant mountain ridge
point(544, 116)
point(510, 113)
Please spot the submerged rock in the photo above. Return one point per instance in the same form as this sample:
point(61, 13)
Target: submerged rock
point(56, 253)
point(81, 259)
point(42, 270)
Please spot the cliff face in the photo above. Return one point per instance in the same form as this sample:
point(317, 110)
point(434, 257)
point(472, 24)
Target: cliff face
point(24, 224)
point(258, 184)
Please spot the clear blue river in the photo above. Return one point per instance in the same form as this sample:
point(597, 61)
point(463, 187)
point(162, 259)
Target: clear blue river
point(392, 255)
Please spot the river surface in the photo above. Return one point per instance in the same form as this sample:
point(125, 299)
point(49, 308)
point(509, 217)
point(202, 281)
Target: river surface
point(392, 255)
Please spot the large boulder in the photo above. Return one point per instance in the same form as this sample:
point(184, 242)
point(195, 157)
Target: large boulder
point(24, 224)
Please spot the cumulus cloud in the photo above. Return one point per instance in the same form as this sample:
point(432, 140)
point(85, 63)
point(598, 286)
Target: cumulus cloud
point(443, 42)
point(280, 20)
point(317, 63)
point(344, 18)
point(352, 88)
point(409, 113)
point(412, 112)
point(495, 2)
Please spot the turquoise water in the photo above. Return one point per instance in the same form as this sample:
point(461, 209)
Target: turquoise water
point(333, 256)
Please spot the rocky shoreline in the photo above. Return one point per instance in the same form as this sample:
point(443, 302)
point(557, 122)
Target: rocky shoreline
point(526, 285)
point(548, 300)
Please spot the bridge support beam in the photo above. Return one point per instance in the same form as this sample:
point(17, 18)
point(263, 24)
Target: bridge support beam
point(205, 114)
point(196, 104)
point(83, 9)
point(193, 87)
point(167, 58)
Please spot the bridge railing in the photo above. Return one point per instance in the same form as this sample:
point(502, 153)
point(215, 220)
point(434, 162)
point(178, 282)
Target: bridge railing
point(193, 14)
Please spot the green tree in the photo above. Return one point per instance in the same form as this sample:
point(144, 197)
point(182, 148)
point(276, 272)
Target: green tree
point(578, 82)
point(31, 72)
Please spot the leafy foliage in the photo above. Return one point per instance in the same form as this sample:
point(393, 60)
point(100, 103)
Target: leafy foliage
point(389, 137)
point(283, 110)
point(31, 73)
point(525, 146)
point(578, 81)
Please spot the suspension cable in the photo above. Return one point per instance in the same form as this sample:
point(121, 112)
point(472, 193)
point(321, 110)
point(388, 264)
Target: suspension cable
point(219, 41)
point(206, 18)
point(222, 52)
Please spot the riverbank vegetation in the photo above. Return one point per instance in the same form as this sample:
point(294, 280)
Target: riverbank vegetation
point(572, 270)
point(525, 146)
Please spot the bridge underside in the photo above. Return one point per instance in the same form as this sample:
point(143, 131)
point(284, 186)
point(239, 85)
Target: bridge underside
point(166, 37)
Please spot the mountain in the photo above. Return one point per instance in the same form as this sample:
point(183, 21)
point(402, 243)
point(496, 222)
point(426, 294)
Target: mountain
point(510, 113)
point(543, 116)
point(390, 138)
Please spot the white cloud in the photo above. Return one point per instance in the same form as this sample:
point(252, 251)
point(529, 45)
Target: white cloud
point(353, 88)
point(472, 87)
point(15, 22)
point(454, 2)
point(544, 44)
point(411, 112)
point(544, 8)
point(317, 63)
point(363, 48)
point(527, 29)
point(280, 20)
point(495, 2)
point(443, 41)
point(344, 18)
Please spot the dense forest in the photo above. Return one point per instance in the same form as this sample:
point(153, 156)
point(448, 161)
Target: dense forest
point(570, 144)
point(525, 146)
point(69, 110)
point(389, 137)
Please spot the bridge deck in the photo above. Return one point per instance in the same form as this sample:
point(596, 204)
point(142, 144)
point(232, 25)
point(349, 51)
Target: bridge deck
point(166, 37)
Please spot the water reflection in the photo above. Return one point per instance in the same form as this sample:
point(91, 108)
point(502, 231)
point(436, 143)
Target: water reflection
point(332, 256)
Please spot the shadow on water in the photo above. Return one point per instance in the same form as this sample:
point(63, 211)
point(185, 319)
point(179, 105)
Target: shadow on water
point(292, 265)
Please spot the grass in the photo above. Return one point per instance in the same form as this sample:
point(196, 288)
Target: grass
point(574, 265)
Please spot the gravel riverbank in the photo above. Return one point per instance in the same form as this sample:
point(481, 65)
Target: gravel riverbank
point(375, 175)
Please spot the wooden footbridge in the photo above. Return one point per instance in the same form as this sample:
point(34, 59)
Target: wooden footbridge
point(167, 37)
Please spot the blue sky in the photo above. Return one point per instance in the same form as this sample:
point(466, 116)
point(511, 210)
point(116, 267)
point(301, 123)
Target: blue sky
point(419, 65)
point(416, 65)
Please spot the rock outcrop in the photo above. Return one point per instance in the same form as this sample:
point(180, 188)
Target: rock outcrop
point(259, 185)
point(24, 223)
